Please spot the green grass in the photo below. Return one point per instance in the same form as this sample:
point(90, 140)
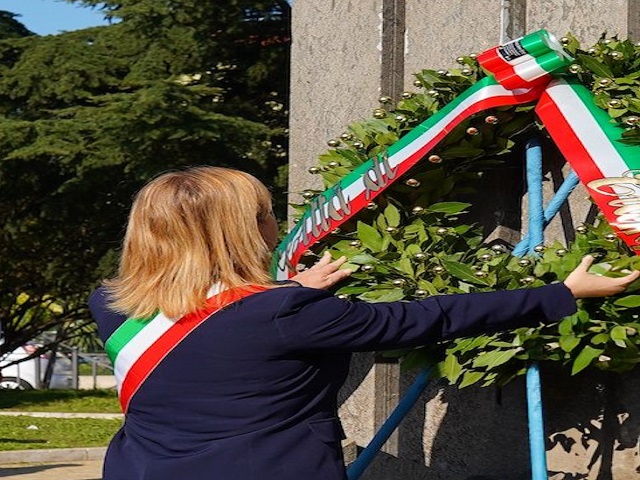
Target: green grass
point(76, 401)
point(55, 432)
point(87, 369)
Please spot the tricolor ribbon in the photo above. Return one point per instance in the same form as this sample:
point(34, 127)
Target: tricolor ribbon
point(522, 71)
point(590, 143)
point(138, 346)
point(526, 61)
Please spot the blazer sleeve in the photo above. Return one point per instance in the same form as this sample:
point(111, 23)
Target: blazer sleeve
point(315, 319)
point(107, 320)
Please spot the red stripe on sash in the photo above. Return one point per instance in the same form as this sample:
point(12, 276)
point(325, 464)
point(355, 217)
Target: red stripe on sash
point(152, 357)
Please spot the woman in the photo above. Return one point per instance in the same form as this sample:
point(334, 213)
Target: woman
point(229, 376)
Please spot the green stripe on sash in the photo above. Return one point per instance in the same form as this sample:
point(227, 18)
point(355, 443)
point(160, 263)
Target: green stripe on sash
point(123, 334)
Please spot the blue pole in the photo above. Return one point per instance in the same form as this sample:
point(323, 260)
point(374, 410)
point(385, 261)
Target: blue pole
point(534, 188)
point(537, 447)
point(551, 210)
point(357, 468)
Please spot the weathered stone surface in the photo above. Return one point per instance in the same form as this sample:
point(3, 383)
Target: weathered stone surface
point(585, 20)
point(357, 400)
point(592, 424)
point(438, 31)
point(335, 77)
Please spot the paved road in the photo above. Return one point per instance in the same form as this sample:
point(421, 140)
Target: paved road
point(81, 470)
point(88, 382)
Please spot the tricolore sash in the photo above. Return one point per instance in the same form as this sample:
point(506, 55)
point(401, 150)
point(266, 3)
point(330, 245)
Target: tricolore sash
point(138, 346)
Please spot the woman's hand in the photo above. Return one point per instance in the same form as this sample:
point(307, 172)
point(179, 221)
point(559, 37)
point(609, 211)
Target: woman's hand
point(583, 284)
point(323, 274)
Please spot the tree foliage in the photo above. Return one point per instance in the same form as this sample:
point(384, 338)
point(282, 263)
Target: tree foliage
point(10, 26)
point(87, 116)
point(414, 240)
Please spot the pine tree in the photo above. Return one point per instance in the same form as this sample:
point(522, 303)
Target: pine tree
point(87, 116)
point(10, 26)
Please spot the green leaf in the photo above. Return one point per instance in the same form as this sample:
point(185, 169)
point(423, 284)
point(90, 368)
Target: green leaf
point(387, 138)
point(584, 358)
point(470, 377)
point(450, 368)
point(568, 342)
point(599, 339)
point(600, 269)
point(462, 272)
point(370, 237)
point(565, 327)
point(617, 112)
point(354, 267)
point(494, 358)
point(377, 125)
point(448, 208)
point(358, 130)
point(619, 335)
point(362, 259)
point(595, 66)
point(392, 214)
point(428, 287)
point(602, 99)
point(405, 266)
point(390, 295)
point(428, 77)
point(411, 249)
point(630, 301)
point(352, 157)
point(353, 290)
point(634, 103)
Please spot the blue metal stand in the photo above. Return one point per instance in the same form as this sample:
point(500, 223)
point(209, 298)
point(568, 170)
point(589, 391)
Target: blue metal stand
point(538, 219)
point(357, 468)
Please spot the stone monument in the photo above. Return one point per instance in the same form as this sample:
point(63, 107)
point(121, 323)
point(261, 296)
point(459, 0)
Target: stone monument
point(345, 55)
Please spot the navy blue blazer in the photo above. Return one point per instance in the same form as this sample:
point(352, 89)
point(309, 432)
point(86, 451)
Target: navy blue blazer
point(251, 394)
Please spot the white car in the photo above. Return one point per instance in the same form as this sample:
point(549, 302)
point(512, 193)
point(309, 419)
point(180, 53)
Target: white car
point(23, 375)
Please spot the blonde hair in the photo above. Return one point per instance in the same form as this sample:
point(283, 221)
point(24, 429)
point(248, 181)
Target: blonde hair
point(188, 230)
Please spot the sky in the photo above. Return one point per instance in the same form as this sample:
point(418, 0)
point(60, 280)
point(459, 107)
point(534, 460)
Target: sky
point(48, 17)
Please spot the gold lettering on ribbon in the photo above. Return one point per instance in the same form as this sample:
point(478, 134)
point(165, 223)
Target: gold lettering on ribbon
point(292, 246)
point(626, 189)
point(375, 178)
point(343, 208)
point(319, 218)
point(334, 206)
point(322, 210)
